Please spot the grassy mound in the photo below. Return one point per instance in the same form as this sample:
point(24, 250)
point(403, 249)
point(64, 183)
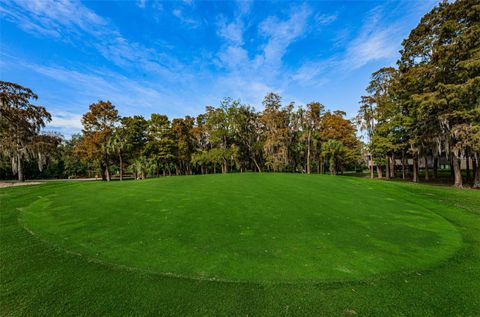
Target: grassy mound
point(245, 227)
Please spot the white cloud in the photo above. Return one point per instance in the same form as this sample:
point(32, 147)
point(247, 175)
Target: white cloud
point(375, 41)
point(71, 21)
point(66, 123)
point(313, 73)
point(325, 19)
point(233, 57)
point(232, 53)
point(252, 77)
point(372, 46)
point(232, 32)
point(179, 14)
point(280, 34)
point(59, 17)
point(89, 85)
point(247, 64)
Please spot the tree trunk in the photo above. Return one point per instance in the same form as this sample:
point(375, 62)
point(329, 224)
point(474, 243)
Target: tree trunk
point(467, 161)
point(427, 176)
point(107, 173)
point(333, 169)
point(476, 166)
point(103, 171)
point(256, 164)
point(308, 151)
point(403, 165)
point(121, 165)
point(393, 166)
point(415, 168)
point(452, 173)
point(457, 172)
point(379, 171)
point(387, 167)
point(435, 168)
point(370, 163)
point(21, 176)
point(107, 169)
point(225, 166)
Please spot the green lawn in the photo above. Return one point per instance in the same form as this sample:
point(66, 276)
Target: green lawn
point(240, 244)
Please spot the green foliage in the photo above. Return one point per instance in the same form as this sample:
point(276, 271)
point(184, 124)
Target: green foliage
point(430, 106)
point(332, 150)
point(20, 125)
point(99, 125)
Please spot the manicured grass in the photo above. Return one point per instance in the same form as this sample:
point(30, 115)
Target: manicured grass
point(244, 244)
point(244, 227)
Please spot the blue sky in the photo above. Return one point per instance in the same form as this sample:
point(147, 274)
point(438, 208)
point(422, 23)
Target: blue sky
point(177, 57)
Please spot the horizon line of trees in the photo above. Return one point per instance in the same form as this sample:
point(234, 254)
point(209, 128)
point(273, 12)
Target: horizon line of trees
point(231, 137)
point(425, 110)
point(428, 107)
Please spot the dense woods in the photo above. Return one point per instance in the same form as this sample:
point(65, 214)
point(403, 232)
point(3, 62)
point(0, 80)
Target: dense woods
point(428, 108)
point(231, 137)
point(20, 125)
point(417, 117)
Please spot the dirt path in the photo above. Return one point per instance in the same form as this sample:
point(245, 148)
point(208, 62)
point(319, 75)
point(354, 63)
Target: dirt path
point(10, 184)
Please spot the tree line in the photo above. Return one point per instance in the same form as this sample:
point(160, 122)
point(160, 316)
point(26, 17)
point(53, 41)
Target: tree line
point(422, 112)
point(428, 107)
point(230, 137)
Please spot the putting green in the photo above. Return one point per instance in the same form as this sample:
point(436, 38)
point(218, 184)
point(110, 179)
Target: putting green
point(245, 227)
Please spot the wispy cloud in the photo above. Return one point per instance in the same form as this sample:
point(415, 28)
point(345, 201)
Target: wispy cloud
point(180, 15)
point(325, 19)
point(88, 85)
point(376, 40)
point(61, 18)
point(233, 53)
point(314, 73)
point(296, 49)
point(71, 21)
point(66, 123)
point(250, 75)
point(281, 33)
point(371, 47)
point(231, 32)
